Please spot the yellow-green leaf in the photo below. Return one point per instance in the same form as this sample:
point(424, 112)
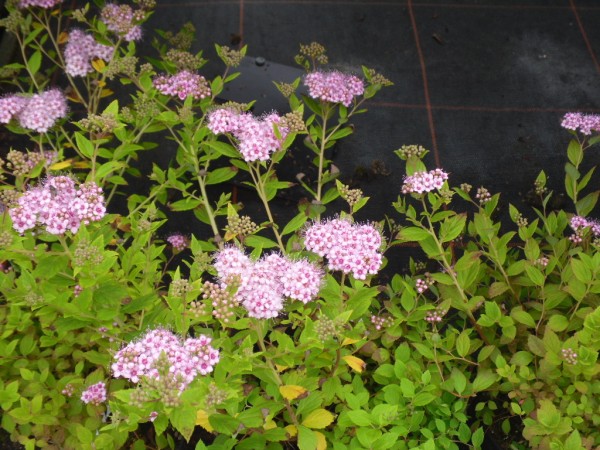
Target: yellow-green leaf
point(291, 391)
point(291, 430)
point(355, 363)
point(98, 64)
point(319, 418)
point(321, 441)
point(202, 420)
point(61, 165)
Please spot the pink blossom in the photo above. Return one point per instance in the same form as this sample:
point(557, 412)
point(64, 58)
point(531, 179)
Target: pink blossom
point(80, 50)
point(46, 4)
point(58, 206)
point(264, 284)
point(187, 359)
point(183, 84)
point(257, 139)
point(348, 247)
point(586, 123)
point(420, 182)
point(37, 112)
point(335, 87)
point(121, 20)
point(95, 394)
point(178, 241)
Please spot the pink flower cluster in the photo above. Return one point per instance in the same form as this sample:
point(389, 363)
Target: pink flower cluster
point(59, 206)
point(80, 50)
point(335, 87)
point(121, 19)
point(187, 359)
point(95, 394)
point(178, 241)
point(585, 122)
point(183, 84)
point(38, 112)
point(257, 139)
point(263, 284)
point(420, 182)
point(580, 225)
point(351, 248)
point(46, 4)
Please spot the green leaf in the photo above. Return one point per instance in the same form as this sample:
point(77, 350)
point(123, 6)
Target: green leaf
point(343, 132)
point(459, 379)
point(477, 438)
point(558, 323)
point(222, 423)
point(34, 62)
point(581, 271)
point(423, 398)
point(224, 149)
point(463, 344)
point(585, 205)
point(412, 234)
point(523, 317)
point(484, 379)
point(221, 175)
point(307, 439)
point(360, 418)
point(535, 275)
point(452, 227)
point(536, 345)
point(296, 223)
point(85, 146)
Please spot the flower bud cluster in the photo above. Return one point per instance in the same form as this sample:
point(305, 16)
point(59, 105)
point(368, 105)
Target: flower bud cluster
point(542, 261)
point(381, 322)
point(483, 195)
point(241, 226)
point(334, 87)
point(377, 78)
point(257, 139)
point(94, 123)
point(231, 58)
point(58, 205)
point(424, 284)
point(9, 198)
point(37, 112)
point(183, 84)
point(68, 390)
point(326, 328)
point(435, 316)
point(186, 360)
point(215, 396)
point(352, 196)
point(21, 163)
point(95, 394)
point(179, 288)
point(223, 298)
point(348, 247)
point(184, 60)
point(122, 20)
point(263, 284)
point(123, 64)
point(569, 355)
point(315, 51)
point(421, 182)
point(586, 123)
point(80, 50)
point(407, 151)
point(86, 254)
